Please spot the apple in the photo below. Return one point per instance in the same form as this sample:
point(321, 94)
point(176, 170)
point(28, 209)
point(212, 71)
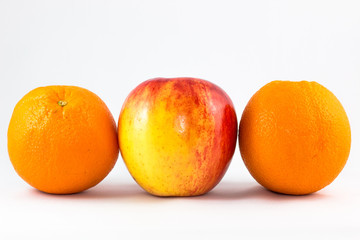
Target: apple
point(177, 135)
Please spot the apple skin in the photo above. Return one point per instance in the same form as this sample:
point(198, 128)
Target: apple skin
point(177, 135)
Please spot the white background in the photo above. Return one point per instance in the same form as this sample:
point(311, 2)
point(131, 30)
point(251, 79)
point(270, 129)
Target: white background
point(109, 47)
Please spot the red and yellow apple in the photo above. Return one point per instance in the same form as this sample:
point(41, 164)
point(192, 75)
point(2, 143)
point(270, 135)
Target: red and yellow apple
point(177, 136)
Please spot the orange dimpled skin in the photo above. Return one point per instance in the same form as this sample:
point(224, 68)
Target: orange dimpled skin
point(62, 139)
point(294, 137)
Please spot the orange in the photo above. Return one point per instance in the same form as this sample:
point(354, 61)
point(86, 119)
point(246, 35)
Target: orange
point(294, 137)
point(62, 139)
